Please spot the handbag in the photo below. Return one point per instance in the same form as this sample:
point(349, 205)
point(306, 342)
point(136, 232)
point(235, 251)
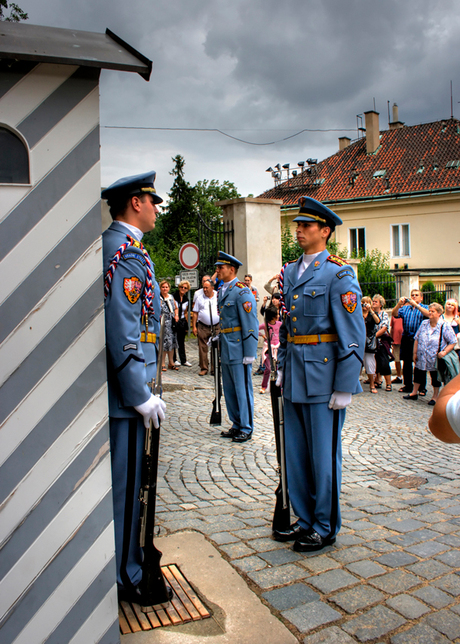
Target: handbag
point(448, 366)
point(371, 343)
point(171, 310)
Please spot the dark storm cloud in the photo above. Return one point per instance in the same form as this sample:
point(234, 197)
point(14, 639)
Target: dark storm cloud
point(262, 70)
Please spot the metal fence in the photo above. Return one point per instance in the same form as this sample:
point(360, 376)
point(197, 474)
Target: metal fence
point(441, 294)
point(213, 237)
point(387, 287)
point(390, 288)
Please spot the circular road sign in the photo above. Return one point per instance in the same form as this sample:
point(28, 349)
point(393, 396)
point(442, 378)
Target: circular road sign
point(189, 256)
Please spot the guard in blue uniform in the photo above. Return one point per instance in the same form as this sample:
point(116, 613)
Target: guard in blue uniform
point(320, 358)
point(239, 334)
point(132, 316)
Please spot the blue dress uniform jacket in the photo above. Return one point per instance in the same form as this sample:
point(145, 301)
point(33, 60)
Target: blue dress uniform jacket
point(131, 360)
point(239, 334)
point(131, 364)
point(324, 301)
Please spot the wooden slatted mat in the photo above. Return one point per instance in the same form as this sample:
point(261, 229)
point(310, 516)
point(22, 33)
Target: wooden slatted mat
point(184, 607)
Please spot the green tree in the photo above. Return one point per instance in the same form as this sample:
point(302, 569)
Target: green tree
point(207, 193)
point(430, 295)
point(290, 249)
point(16, 13)
point(374, 275)
point(177, 223)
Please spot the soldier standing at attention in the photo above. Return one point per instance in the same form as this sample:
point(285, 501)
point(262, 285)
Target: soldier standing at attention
point(320, 358)
point(132, 317)
point(239, 334)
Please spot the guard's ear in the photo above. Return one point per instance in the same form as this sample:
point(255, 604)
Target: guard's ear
point(136, 203)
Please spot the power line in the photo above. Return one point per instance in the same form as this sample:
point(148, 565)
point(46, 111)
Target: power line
point(205, 129)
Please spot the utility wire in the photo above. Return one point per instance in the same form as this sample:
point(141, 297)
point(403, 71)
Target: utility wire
point(205, 129)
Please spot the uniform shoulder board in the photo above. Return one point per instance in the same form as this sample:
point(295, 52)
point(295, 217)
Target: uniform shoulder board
point(240, 285)
point(335, 259)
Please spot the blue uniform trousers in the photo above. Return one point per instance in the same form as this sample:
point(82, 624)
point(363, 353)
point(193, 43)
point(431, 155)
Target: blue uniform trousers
point(239, 397)
point(314, 464)
point(127, 437)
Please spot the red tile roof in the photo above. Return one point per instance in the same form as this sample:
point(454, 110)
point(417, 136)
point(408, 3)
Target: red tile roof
point(413, 158)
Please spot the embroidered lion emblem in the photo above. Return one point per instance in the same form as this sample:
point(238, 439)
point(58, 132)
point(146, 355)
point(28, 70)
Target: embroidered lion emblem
point(132, 288)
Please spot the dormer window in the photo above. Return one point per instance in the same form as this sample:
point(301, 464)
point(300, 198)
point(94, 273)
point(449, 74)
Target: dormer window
point(14, 159)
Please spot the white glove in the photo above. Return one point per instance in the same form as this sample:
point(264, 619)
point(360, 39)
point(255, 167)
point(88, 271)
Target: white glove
point(279, 378)
point(154, 408)
point(339, 400)
point(248, 359)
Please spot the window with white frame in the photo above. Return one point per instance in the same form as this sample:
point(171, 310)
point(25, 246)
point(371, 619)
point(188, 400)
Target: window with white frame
point(400, 239)
point(357, 240)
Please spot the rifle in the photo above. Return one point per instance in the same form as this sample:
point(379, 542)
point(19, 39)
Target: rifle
point(281, 516)
point(153, 586)
point(216, 414)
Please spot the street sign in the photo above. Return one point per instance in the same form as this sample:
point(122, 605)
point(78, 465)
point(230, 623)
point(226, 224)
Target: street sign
point(189, 256)
point(190, 276)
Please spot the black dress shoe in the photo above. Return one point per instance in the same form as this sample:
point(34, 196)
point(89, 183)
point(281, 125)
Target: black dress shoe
point(136, 596)
point(310, 541)
point(290, 534)
point(241, 437)
point(409, 397)
point(230, 433)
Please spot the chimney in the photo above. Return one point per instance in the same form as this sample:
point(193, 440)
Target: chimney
point(344, 142)
point(372, 131)
point(396, 124)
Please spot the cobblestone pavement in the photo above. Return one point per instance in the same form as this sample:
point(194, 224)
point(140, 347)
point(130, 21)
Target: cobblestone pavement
point(394, 573)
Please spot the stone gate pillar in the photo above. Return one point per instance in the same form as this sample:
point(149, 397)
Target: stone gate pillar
point(257, 237)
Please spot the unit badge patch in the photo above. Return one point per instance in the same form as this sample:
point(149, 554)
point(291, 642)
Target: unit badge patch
point(247, 306)
point(132, 288)
point(349, 301)
point(346, 272)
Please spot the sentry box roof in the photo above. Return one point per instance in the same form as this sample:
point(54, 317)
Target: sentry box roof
point(19, 41)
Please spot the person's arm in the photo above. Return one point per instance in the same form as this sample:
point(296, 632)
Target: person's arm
point(194, 322)
point(414, 356)
point(439, 424)
point(395, 311)
point(383, 326)
point(423, 310)
point(445, 351)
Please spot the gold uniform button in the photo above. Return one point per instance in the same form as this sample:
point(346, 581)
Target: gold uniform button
point(295, 330)
point(294, 319)
point(292, 308)
point(325, 359)
point(314, 293)
point(296, 296)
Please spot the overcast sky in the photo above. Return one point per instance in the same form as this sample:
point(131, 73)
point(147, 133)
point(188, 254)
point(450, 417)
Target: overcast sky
point(261, 71)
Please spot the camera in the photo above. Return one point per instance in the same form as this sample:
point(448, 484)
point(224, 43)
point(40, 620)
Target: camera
point(407, 300)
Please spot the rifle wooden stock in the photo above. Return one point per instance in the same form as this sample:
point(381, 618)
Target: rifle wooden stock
point(282, 515)
point(153, 586)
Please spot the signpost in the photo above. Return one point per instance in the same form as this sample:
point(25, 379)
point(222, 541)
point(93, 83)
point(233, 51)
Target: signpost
point(190, 276)
point(189, 257)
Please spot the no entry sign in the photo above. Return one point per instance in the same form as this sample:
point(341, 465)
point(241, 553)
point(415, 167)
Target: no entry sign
point(189, 256)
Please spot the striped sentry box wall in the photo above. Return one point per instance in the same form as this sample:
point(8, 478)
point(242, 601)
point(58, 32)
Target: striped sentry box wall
point(57, 573)
point(57, 569)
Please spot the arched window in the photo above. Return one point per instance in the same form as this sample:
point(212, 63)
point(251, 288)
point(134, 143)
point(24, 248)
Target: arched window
point(14, 159)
